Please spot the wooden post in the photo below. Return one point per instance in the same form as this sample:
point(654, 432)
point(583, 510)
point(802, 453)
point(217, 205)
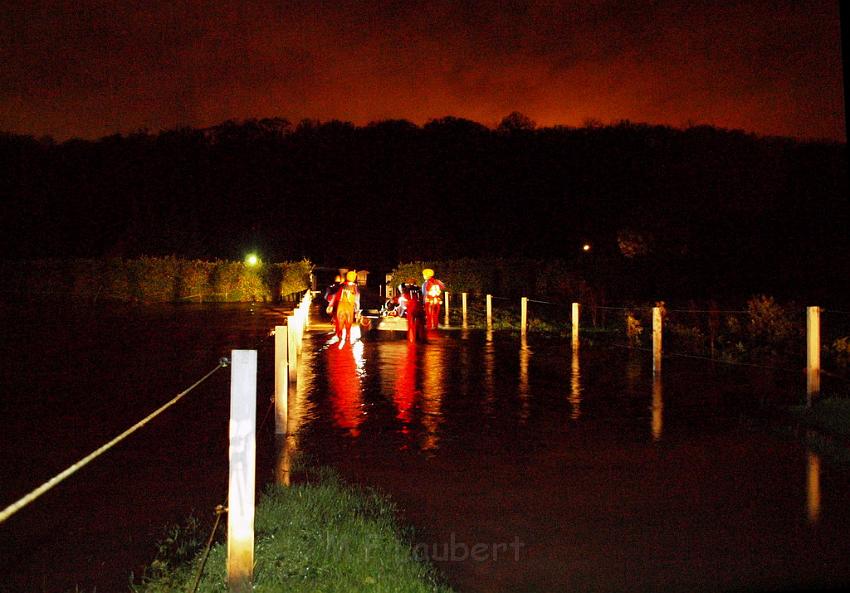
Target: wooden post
point(281, 378)
point(292, 348)
point(300, 322)
point(446, 321)
point(656, 339)
point(490, 311)
point(463, 306)
point(523, 315)
point(575, 319)
point(242, 454)
point(812, 353)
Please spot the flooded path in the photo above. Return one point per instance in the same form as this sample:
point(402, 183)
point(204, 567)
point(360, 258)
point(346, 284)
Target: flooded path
point(523, 467)
point(528, 467)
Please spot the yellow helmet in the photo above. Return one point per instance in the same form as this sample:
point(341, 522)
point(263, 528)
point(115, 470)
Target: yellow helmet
point(427, 273)
point(351, 276)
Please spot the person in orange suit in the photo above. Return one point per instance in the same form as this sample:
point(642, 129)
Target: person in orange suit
point(346, 307)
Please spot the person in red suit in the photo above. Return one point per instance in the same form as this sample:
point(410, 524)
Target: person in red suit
point(432, 291)
point(414, 311)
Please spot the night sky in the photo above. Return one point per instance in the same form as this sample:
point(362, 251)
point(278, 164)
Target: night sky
point(92, 68)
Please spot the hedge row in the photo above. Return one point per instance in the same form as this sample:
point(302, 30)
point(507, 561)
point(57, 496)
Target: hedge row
point(151, 280)
point(505, 277)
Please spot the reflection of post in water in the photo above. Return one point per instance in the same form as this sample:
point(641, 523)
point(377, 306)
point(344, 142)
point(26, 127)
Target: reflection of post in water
point(287, 444)
point(575, 386)
point(489, 375)
point(657, 407)
point(633, 371)
point(432, 393)
point(344, 384)
point(286, 447)
point(813, 487)
point(524, 356)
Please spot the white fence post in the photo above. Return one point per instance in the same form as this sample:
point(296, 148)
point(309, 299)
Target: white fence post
point(281, 378)
point(656, 339)
point(523, 315)
point(242, 454)
point(812, 353)
point(489, 311)
point(575, 319)
point(463, 306)
point(292, 347)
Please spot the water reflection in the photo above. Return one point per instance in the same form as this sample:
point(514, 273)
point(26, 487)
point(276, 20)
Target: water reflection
point(524, 357)
point(813, 487)
point(286, 446)
point(657, 407)
point(404, 392)
point(633, 371)
point(575, 386)
point(433, 361)
point(489, 360)
point(298, 408)
point(344, 369)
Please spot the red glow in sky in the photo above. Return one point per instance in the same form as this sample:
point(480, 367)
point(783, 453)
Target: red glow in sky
point(92, 68)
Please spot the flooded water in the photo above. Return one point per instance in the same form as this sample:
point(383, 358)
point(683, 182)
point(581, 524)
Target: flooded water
point(73, 379)
point(529, 466)
point(524, 465)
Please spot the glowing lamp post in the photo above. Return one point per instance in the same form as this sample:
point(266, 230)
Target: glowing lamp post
point(585, 247)
point(243, 452)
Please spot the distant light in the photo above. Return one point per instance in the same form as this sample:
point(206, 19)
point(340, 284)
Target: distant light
point(585, 247)
point(252, 260)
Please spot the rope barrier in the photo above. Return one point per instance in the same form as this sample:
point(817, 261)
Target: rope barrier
point(219, 511)
point(546, 303)
point(702, 311)
point(717, 360)
point(17, 506)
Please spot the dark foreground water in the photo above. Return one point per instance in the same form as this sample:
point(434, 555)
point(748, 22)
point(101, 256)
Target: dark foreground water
point(523, 466)
point(530, 467)
point(72, 379)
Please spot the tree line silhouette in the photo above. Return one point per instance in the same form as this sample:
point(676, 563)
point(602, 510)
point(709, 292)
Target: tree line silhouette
point(666, 211)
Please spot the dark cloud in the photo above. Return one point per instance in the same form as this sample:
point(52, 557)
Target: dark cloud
point(90, 68)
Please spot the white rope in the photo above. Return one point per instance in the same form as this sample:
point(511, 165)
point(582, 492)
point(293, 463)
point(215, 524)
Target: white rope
point(15, 507)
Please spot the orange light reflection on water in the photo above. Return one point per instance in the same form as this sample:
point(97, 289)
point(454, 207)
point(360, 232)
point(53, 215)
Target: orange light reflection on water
point(344, 368)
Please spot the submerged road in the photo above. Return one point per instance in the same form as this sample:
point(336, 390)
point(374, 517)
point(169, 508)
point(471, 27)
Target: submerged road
point(527, 466)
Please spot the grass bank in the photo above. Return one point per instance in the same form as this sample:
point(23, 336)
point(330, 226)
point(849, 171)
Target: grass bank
point(318, 535)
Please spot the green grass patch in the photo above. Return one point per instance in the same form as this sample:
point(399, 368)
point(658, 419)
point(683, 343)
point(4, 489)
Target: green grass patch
point(318, 535)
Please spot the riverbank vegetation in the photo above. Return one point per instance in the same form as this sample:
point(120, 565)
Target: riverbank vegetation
point(150, 280)
point(320, 534)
